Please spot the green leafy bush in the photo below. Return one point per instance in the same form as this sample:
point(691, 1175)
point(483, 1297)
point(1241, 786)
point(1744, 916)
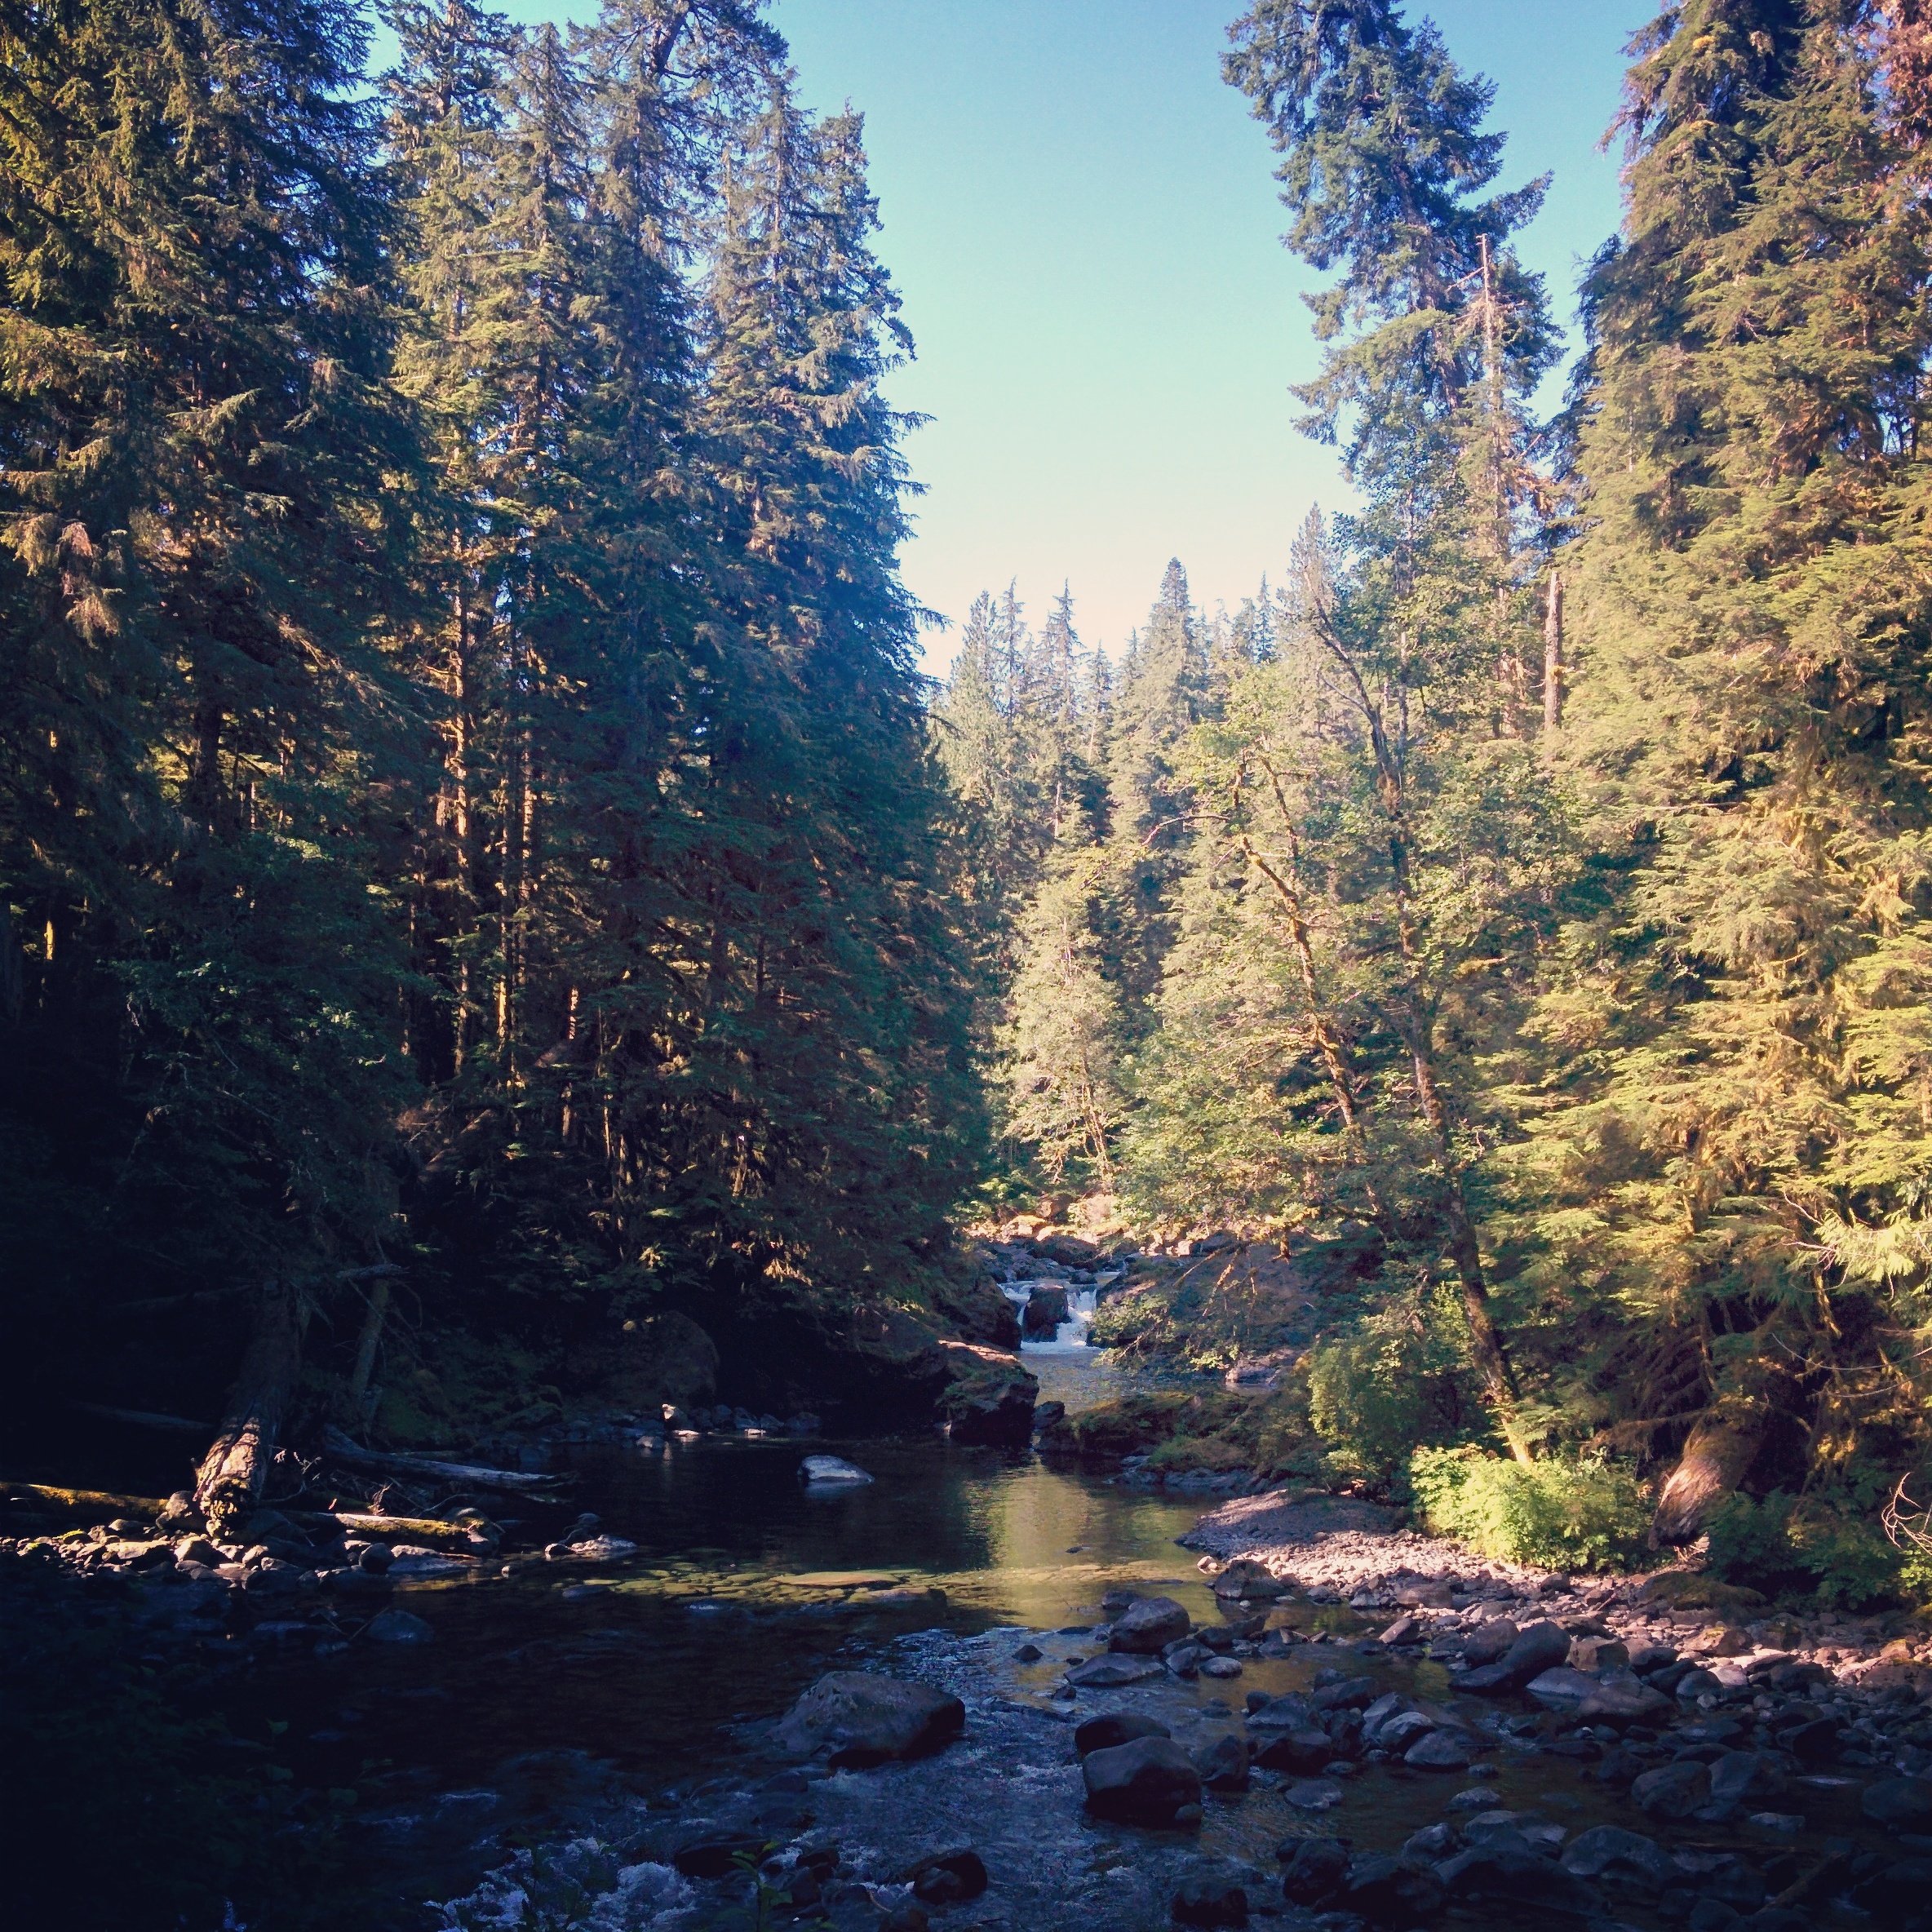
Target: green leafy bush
point(1376, 1392)
point(1783, 1547)
point(1568, 1513)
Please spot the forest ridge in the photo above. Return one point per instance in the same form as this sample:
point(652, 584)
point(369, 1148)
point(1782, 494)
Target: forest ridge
point(468, 798)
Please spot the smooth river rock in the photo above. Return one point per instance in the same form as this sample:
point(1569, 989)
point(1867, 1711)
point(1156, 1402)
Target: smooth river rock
point(1145, 1781)
point(869, 1720)
point(1148, 1625)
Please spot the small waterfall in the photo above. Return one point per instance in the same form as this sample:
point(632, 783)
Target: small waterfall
point(1080, 1304)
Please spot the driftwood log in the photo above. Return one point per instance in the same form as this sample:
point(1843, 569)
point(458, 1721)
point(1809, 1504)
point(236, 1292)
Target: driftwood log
point(88, 1505)
point(229, 1485)
point(458, 1539)
point(459, 1475)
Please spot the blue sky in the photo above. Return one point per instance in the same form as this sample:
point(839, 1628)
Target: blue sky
point(1081, 219)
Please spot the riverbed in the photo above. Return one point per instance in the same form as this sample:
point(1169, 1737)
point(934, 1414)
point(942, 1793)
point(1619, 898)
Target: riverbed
point(544, 1701)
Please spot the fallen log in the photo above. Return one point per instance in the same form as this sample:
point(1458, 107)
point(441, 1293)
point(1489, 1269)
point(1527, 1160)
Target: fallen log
point(229, 1485)
point(93, 1505)
point(461, 1474)
point(458, 1539)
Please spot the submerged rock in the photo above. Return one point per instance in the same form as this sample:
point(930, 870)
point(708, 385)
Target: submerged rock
point(830, 1470)
point(1210, 1900)
point(1110, 1674)
point(398, 1626)
point(869, 1720)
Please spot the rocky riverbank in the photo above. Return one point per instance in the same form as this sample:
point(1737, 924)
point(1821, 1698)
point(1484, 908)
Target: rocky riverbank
point(1140, 1771)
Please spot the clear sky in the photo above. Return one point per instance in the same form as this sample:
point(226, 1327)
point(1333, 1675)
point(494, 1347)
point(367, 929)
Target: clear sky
point(1081, 219)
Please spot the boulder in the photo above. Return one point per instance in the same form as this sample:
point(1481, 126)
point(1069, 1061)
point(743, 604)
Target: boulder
point(949, 1877)
point(1046, 1309)
point(712, 1855)
point(1898, 1892)
point(1813, 1743)
point(979, 1309)
point(1115, 1727)
point(1210, 1900)
point(830, 1472)
point(1672, 1790)
point(396, 1626)
point(1562, 1689)
point(1398, 1732)
point(1487, 1643)
point(1745, 1778)
point(1598, 1653)
point(1144, 1781)
point(1148, 1625)
point(1223, 1765)
point(1246, 1578)
point(1542, 1646)
point(1441, 1750)
point(1619, 1859)
point(1384, 1891)
point(1314, 1868)
point(1503, 1868)
point(1110, 1673)
point(990, 1397)
point(1899, 1804)
point(1298, 1751)
point(647, 1362)
point(868, 1720)
point(1623, 1699)
point(1069, 1251)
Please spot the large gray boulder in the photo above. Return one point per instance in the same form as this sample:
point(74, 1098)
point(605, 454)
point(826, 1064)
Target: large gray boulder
point(1144, 1781)
point(1115, 1728)
point(1672, 1790)
point(1148, 1625)
point(1247, 1577)
point(1619, 1859)
point(1541, 1647)
point(1046, 1309)
point(1900, 1804)
point(869, 1720)
point(991, 1396)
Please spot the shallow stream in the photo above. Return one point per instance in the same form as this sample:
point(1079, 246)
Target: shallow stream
point(549, 1705)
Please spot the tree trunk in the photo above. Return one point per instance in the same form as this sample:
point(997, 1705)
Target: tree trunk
point(1724, 1443)
point(1552, 654)
point(229, 1483)
point(366, 1345)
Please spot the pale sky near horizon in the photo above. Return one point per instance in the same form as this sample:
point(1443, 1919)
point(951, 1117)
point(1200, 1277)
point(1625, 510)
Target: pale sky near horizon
point(1082, 221)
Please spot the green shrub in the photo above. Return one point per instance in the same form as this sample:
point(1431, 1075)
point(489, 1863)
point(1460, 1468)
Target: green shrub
point(1374, 1394)
point(1568, 1513)
point(1783, 1547)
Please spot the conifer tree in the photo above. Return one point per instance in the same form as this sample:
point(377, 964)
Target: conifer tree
point(1737, 1045)
point(207, 485)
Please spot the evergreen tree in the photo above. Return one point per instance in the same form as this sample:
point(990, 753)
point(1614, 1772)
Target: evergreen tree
point(207, 482)
point(1738, 1118)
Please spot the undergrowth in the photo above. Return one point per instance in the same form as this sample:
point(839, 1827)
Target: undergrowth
point(1784, 1546)
point(1566, 1513)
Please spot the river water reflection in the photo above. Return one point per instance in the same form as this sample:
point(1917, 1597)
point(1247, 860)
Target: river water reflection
point(746, 1585)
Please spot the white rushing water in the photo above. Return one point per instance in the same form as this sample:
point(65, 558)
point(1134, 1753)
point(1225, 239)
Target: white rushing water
point(1072, 1333)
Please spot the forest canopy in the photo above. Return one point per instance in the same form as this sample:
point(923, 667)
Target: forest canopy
point(1534, 876)
point(470, 805)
